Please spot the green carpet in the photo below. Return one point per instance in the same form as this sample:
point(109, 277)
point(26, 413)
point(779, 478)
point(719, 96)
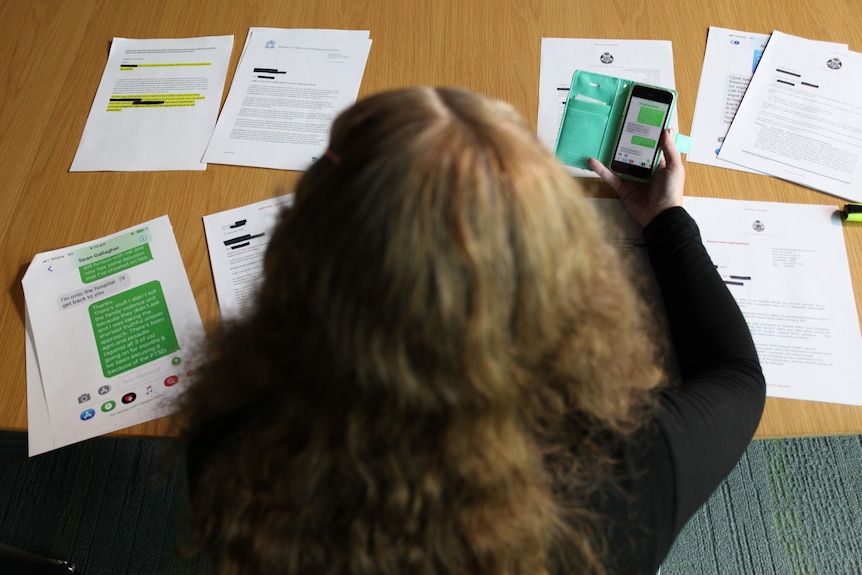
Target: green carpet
point(112, 506)
point(118, 506)
point(791, 506)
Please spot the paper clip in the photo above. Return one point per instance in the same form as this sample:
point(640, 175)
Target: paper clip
point(852, 212)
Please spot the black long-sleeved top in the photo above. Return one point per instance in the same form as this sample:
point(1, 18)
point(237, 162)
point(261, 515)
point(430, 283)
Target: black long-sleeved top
point(701, 427)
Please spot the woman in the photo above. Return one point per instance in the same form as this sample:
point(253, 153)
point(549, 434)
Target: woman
point(447, 370)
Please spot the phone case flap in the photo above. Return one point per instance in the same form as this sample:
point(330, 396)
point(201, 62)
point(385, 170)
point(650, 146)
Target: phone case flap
point(593, 110)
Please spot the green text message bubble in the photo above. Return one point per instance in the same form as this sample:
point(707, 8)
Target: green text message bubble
point(650, 116)
point(132, 328)
point(645, 142)
point(116, 263)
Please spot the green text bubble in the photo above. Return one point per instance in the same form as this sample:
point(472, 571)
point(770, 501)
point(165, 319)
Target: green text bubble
point(132, 328)
point(645, 142)
point(650, 116)
point(116, 263)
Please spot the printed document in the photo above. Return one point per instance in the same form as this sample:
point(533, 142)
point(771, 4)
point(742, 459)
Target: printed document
point(109, 328)
point(793, 289)
point(647, 61)
point(801, 117)
point(237, 240)
point(730, 60)
point(288, 88)
point(156, 105)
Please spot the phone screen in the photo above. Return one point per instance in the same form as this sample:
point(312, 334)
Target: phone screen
point(642, 126)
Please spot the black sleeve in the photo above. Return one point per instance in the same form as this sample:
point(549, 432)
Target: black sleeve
point(709, 420)
point(665, 472)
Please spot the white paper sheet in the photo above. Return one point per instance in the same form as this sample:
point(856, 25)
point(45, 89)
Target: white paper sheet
point(288, 88)
point(793, 288)
point(786, 265)
point(110, 325)
point(729, 62)
point(801, 118)
point(237, 240)
point(156, 105)
point(647, 61)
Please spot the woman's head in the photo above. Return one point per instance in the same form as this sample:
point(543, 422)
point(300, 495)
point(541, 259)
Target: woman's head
point(439, 315)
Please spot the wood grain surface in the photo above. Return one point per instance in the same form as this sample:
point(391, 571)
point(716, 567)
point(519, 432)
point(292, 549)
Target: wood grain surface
point(53, 53)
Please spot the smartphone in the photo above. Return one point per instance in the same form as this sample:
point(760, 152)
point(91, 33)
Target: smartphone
point(636, 153)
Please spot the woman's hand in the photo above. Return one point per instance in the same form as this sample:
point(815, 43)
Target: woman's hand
point(645, 201)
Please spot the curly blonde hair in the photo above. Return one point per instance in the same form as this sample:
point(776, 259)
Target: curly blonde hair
point(441, 346)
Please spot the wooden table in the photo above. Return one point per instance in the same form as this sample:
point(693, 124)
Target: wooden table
point(53, 52)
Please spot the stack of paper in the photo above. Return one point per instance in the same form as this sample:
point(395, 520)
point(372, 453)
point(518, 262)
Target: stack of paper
point(799, 118)
point(109, 328)
point(730, 60)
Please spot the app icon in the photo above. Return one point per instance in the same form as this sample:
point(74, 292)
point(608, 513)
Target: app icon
point(84, 398)
point(105, 390)
point(176, 361)
point(129, 397)
point(172, 380)
point(109, 406)
point(88, 414)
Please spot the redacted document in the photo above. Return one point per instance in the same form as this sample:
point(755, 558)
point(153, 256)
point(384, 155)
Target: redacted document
point(288, 88)
point(156, 105)
point(801, 117)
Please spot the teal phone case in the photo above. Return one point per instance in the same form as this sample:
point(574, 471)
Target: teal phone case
point(592, 117)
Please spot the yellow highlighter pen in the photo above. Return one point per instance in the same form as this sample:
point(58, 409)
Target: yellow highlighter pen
point(852, 212)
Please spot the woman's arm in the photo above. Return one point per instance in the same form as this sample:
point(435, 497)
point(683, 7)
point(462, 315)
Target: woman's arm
point(709, 420)
point(704, 425)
